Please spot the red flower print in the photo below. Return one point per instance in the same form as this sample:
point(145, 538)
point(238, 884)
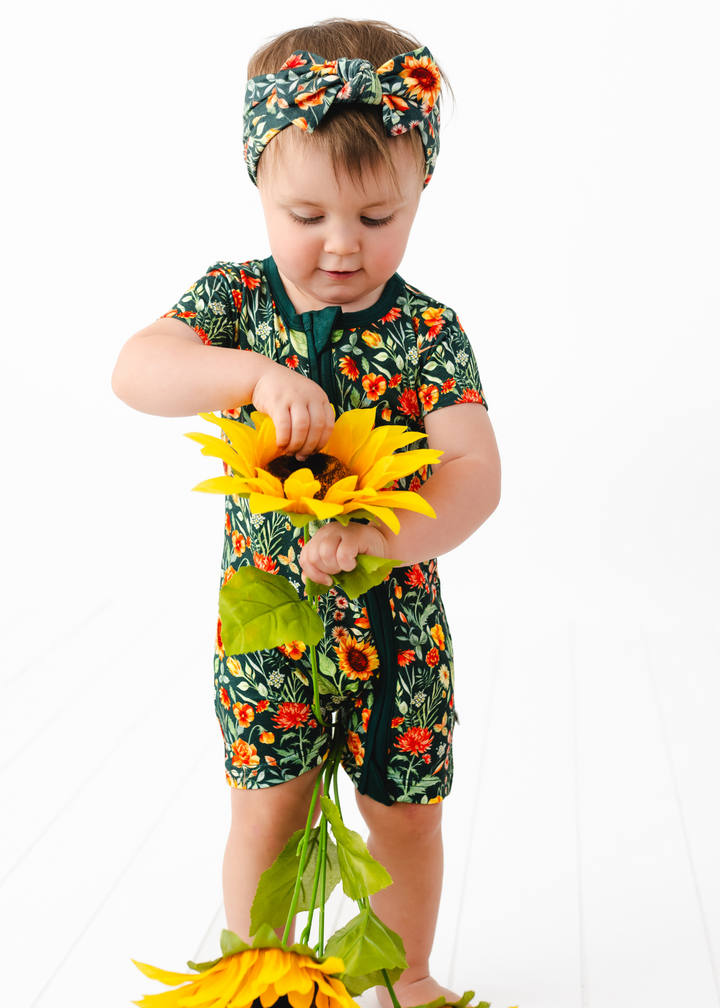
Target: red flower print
point(239, 543)
point(265, 563)
point(405, 657)
point(244, 754)
point(184, 314)
point(358, 702)
point(237, 298)
point(224, 698)
point(395, 381)
point(448, 386)
point(415, 484)
point(396, 722)
point(362, 620)
point(365, 718)
point(428, 396)
point(292, 362)
point(228, 526)
point(263, 705)
point(227, 575)
point(393, 314)
point(374, 386)
point(267, 737)
point(355, 747)
point(202, 334)
point(433, 657)
point(244, 714)
point(218, 640)
point(415, 741)
point(349, 368)
point(291, 715)
point(249, 281)
point(292, 649)
point(408, 403)
point(293, 61)
point(471, 395)
point(415, 323)
point(415, 577)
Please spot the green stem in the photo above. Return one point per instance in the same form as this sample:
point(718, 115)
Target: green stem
point(386, 978)
point(323, 868)
point(303, 856)
point(316, 687)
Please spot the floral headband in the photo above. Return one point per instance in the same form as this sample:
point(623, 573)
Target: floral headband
point(305, 87)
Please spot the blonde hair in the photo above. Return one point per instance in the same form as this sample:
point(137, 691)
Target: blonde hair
point(353, 135)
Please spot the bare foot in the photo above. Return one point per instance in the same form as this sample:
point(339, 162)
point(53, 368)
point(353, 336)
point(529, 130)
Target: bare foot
point(418, 993)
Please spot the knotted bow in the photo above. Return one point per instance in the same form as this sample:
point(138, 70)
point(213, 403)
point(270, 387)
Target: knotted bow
point(305, 87)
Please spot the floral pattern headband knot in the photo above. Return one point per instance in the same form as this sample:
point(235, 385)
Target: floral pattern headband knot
point(304, 88)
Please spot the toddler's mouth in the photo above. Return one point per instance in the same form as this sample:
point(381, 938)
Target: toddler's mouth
point(340, 274)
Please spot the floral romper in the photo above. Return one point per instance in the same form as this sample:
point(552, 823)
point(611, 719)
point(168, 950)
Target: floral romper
point(386, 659)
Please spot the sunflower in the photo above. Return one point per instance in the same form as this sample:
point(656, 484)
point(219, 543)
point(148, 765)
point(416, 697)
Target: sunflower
point(347, 477)
point(356, 658)
point(241, 978)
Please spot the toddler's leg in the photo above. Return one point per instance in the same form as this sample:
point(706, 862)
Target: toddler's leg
point(407, 840)
point(263, 820)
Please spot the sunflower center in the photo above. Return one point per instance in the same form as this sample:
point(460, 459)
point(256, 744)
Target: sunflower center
point(326, 469)
point(357, 660)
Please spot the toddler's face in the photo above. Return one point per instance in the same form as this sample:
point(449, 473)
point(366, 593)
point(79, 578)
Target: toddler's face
point(333, 243)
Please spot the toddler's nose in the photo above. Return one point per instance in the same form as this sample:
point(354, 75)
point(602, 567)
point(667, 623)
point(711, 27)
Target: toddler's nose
point(342, 241)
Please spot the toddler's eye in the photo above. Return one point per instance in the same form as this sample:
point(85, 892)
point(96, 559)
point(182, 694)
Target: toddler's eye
point(378, 222)
point(304, 220)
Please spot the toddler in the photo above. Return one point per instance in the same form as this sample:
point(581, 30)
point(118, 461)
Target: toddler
point(341, 132)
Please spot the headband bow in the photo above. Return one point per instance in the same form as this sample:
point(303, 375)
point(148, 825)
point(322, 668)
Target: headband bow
point(305, 87)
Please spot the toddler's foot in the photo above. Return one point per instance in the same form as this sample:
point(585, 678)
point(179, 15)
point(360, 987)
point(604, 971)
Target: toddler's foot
point(418, 993)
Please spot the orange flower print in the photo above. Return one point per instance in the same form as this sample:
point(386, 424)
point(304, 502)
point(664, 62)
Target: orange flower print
point(408, 403)
point(435, 321)
point(362, 620)
point(265, 563)
point(234, 667)
point(249, 281)
point(438, 636)
point(396, 722)
point(395, 381)
point(218, 640)
point(471, 395)
point(433, 657)
point(355, 747)
point(271, 760)
point(415, 741)
point(422, 79)
point(356, 658)
point(415, 484)
point(365, 718)
point(349, 368)
point(267, 737)
point(293, 649)
point(291, 715)
point(224, 698)
point(292, 361)
point(237, 299)
point(239, 543)
point(301, 123)
point(393, 314)
point(228, 526)
point(315, 98)
point(374, 386)
point(202, 334)
point(244, 754)
point(293, 61)
point(415, 577)
point(386, 414)
point(448, 386)
point(263, 705)
point(428, 396)
point(393, 102)
point(244, 714)
point(358, 702)
point(372, 339)
point(405, 657)
point(398, 591)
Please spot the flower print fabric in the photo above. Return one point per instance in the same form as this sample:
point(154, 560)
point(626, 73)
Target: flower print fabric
point(407, 355)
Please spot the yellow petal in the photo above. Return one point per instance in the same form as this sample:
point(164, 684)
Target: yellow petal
point(384, 514)
point(164, 976)
point(222, 450)
point(222, 485)
point(341, 491)
point(351, 430)
point(241, 437)
point(405, 499)
point(301, 483)
point(320, 508)
point(386, 470)
point(265, 482)
point(332, 964)
point(261, 503)
point(266, 438)
point(383, 441)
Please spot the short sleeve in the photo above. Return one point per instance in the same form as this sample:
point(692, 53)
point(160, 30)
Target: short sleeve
point(447, 369)
point(211, 306)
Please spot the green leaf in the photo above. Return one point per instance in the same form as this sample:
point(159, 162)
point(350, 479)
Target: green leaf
point(461, 1003)
point(366, 945)
point(327, 665)
point(230, 943)
point(368, 572)
point(356, 985)
point(201, 967)
point(260, 610)
point(299, 342)
point(361, 874)
point(314, 589)
point(277, 884)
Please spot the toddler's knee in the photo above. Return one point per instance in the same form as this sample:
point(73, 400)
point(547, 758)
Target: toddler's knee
point(403, 821)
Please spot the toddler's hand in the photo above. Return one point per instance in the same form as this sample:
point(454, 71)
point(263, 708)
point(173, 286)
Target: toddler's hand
point(334, 547)
point(298, 407)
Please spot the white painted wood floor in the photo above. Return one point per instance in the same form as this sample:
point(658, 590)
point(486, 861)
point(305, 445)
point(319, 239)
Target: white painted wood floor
point(582, 835)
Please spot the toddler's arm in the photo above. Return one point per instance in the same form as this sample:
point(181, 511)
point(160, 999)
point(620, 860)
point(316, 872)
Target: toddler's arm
point(167, 370)
point(463, 490)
